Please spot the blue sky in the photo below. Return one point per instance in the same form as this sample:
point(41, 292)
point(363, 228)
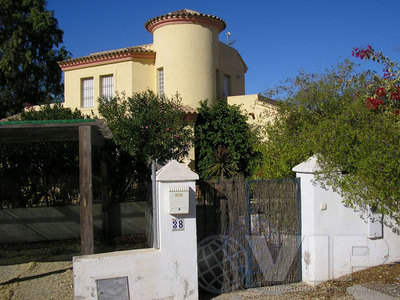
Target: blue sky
point(275, 38)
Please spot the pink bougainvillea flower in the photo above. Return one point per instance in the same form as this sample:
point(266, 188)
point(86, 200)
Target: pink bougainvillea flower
point(380, 92)
point(396, 94)
point(374, 103)
point(362, 53)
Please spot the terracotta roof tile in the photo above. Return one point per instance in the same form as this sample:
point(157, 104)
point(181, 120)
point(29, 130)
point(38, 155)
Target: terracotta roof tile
point(143, 50)
point(184, 14)
point(188, 110)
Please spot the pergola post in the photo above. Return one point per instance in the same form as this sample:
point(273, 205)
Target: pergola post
point(85, 186)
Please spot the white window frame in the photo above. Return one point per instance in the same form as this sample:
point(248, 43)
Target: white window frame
point(87, 92)
point(160, 81)
point(107, 86)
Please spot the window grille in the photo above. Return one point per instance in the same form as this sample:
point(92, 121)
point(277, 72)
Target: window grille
point(87, 92)
point(107, 90)
point(161, 81)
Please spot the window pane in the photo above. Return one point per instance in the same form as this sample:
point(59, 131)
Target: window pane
point(161, 81)
point(227, 86)
point(107, 86)
point(87, 92)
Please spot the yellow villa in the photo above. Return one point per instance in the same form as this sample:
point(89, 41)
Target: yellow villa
point(186, 57)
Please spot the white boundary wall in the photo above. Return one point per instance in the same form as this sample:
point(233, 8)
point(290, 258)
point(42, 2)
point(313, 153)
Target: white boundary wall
point(166, 273)
point(335, 238)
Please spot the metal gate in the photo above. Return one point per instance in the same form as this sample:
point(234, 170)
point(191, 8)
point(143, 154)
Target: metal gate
point(248, 233)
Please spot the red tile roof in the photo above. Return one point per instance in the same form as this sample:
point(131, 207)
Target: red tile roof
point(185, 15)
point(144, 51)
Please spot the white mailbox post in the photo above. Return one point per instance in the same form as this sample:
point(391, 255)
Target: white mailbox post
point(169, 272)
point(176, 187)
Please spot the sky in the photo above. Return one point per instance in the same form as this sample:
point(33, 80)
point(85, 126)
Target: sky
point(276, 39)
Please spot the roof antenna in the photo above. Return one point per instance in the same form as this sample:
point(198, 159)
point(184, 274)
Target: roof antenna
point(228, 34)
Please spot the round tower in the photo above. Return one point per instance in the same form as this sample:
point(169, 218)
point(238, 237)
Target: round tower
point(186, 46)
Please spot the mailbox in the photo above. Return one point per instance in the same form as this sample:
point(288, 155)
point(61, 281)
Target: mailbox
point(178, 200)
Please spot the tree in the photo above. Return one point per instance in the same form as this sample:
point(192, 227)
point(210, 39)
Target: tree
point(148, 126)
point(29, 51)
point(224, 141)
point(350, 121)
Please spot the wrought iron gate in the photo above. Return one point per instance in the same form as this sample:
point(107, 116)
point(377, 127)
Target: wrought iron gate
point(248, 233)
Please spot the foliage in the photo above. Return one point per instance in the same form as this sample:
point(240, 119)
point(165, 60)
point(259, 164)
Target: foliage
point(357, 142)
point(222, 164)
point(148, 126)
point(29, 51)
point(308, 99)
point(381, 93)
point(49, 111)
point(223, 126)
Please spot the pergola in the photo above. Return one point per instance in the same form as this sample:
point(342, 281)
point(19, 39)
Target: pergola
point(87, 132)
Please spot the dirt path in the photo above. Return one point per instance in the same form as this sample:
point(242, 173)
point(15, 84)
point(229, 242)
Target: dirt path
point(43, 270)
point(37, 280)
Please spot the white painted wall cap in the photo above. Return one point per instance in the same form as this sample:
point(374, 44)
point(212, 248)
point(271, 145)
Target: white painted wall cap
point(175, 171)
point(309, 166)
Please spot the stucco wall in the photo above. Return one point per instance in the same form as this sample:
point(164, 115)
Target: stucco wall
point(187, 53)
point(128, 77)
point(258, 109)
point(230, 63)
point(335, 238)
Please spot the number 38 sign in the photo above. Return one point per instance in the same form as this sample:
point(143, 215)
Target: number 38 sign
point(178, 225)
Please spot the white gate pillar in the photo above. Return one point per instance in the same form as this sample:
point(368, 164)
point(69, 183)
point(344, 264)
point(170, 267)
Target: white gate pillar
point(336, 239)
point(176, 202)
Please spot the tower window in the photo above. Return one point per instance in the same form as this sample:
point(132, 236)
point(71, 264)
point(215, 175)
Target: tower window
point(160, 81)
point(227, 85)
